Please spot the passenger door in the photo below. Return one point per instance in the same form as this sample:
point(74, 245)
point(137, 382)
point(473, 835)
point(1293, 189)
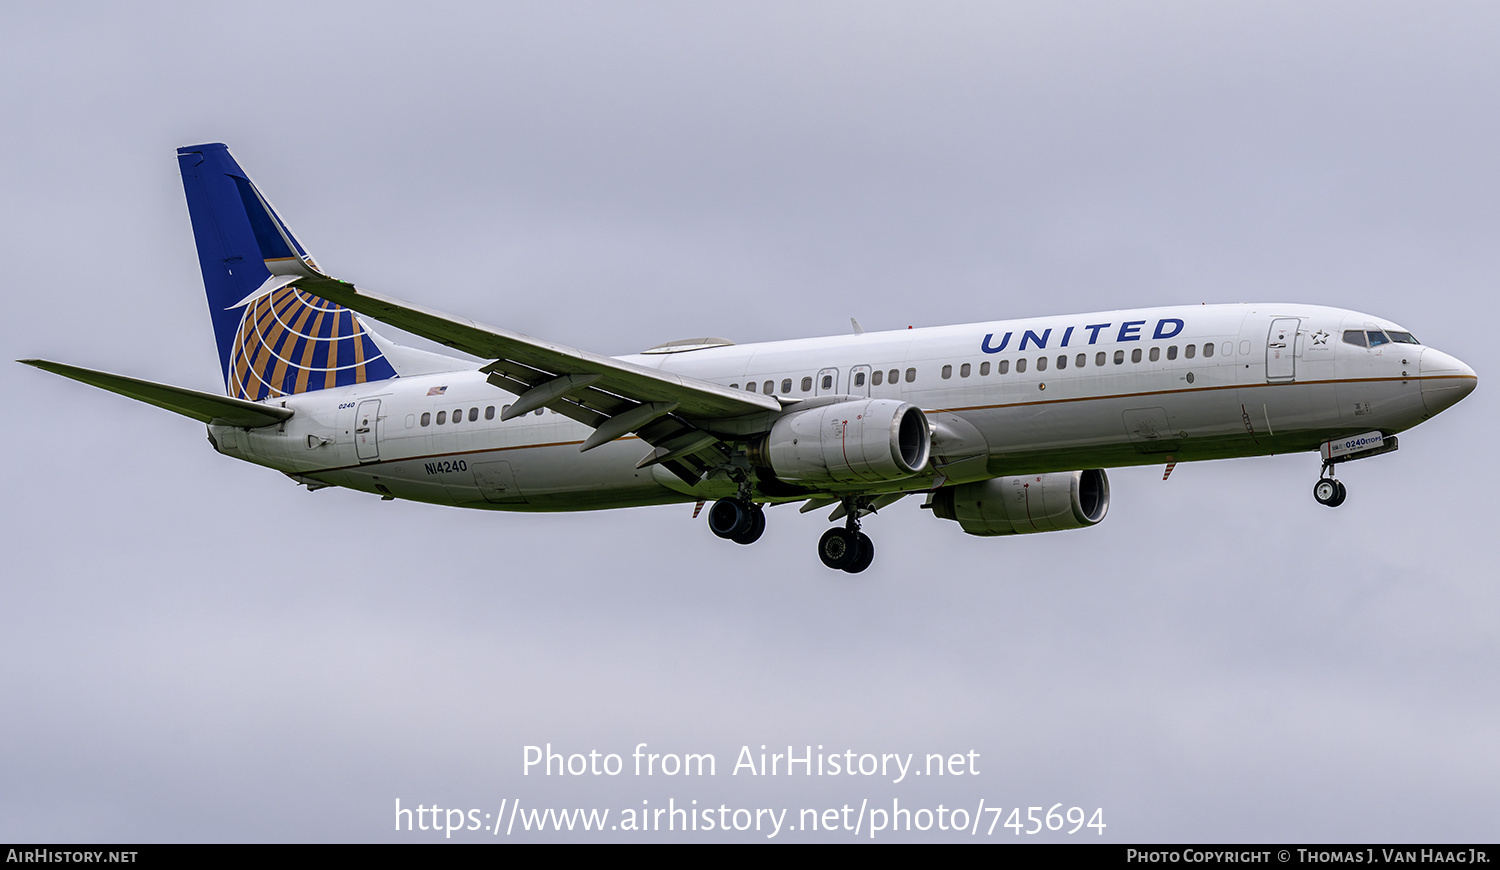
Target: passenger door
point(859, 381)
point(827, 382)
point(1281, 350)
point(367, 430)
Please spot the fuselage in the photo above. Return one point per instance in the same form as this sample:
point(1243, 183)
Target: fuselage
point(1108, 389)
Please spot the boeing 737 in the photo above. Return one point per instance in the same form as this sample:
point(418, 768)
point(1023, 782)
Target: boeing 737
point(1003, 427)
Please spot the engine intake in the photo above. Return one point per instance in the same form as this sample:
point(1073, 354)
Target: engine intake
point(1023, 505)
point(868, 440)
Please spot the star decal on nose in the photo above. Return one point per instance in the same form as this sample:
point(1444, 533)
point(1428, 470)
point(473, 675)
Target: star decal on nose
point(1320, 337)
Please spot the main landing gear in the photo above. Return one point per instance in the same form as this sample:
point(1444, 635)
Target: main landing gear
point(737, 519)
point(843, 549)
point(1329, 491)
point(847, 549)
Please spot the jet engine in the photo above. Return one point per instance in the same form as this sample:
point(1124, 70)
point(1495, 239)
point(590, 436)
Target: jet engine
point(1022, 505)
point(867, 440)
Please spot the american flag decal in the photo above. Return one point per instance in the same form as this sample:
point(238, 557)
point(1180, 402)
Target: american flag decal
point(437, 391)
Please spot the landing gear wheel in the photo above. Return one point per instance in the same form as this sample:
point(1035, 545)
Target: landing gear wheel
point(757, 526)
point(731, 518)
point(839, 548)
point(1330, 492)
point(866, 554)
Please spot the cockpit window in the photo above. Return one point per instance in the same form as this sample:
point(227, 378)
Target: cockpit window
point(1355, 337)
point(1377, 338)
point(1402, 337)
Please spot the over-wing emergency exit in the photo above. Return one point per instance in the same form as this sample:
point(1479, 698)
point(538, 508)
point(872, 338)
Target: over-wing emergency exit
point(1004, 427)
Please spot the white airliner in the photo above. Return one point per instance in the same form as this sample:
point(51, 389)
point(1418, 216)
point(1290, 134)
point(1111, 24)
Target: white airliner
point(989, 422)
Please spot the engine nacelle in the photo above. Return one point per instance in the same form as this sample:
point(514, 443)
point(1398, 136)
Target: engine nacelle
point(868, 440)
point(1022, 505)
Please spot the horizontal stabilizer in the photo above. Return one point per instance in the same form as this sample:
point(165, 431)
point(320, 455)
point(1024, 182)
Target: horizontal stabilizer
point(203, 407)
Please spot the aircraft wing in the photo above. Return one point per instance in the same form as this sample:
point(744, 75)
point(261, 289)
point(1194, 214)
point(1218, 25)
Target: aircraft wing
point(201, 406)
point(612, 396)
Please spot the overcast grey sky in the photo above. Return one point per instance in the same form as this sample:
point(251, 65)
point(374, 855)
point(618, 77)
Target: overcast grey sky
point(196, 649)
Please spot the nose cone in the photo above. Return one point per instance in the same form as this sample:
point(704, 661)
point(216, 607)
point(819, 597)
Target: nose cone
point(1445, 380)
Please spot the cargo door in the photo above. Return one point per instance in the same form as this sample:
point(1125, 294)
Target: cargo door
point(497, 482)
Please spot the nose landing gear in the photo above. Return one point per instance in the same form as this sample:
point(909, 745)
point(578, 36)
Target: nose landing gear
point(1328, 490)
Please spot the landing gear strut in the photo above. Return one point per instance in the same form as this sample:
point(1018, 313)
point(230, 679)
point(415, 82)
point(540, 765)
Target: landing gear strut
point(847, 549)
point(1328, 490)
point(736, 519)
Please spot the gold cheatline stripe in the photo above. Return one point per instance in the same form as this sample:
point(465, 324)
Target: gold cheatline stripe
point(926, 410)
point(1199, 390)
point(428, 456)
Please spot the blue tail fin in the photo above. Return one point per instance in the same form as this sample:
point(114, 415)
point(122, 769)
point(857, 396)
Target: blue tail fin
point(273, 338)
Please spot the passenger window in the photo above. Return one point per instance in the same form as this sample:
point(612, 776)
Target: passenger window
point(504, 409)
point(1041, 363)
point(1081, 360)
point(786, 385)
point(947, 372)
point(1172, 352)
point(1099, 358)
point(473, 414)
point(1062, 361)
point(1208, 349)
point(807, 384)
point(911, 376)
point(442, 417)
point(769, 387)
point(1119, 357)
point(859, 379)
point(426, 419)
point(750, 387)
point(458, 415)
point(1191, 349)
point(1135, 355)
point(963, 370)
point(828, 382)
point(1003, 367)
point(895, 376)
point(984, 369)
point(489, 412)
point(1020, 366)
point(877, 377)
point(538, 412)
point(734, 386)
point(1155, 354)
